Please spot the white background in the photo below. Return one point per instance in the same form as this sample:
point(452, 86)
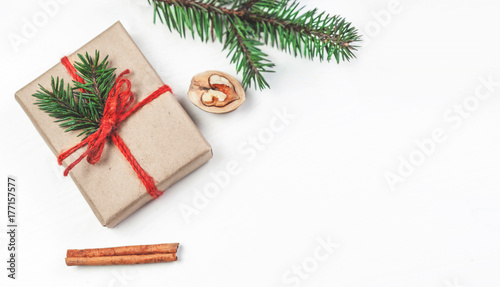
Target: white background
point(322, 177)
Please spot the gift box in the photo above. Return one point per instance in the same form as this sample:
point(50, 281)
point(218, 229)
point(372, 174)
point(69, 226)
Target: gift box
point(160, 135)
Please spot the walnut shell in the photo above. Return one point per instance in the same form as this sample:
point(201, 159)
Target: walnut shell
point(216, 92)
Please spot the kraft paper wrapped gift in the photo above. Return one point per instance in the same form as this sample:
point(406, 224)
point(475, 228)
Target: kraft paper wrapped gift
point(161, 136)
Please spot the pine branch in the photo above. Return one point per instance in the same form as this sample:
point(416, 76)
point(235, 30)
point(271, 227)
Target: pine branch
point(309, 34)
point(233, 4)
point(69, 109)
point(196, 16)
point(247, 55)
point(247, 5)
point(242, 24)
point(79, 107)
point(98, 78)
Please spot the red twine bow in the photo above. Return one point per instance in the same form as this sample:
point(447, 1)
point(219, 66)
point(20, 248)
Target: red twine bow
point(117, 109)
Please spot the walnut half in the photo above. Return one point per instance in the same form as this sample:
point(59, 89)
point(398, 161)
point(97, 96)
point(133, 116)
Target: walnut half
point(216, 92)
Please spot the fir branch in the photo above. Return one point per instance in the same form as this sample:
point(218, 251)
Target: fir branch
point(79, 107)
point(309, 34)
point(241, 24)
point(98, 78)
point(247, 55)
point(69, 109)
point(247, 5)
point(182, 15)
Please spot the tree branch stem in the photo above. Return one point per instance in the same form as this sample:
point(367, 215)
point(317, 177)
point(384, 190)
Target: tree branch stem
point(245, 14)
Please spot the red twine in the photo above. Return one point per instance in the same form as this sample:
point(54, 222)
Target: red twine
point(117, 109)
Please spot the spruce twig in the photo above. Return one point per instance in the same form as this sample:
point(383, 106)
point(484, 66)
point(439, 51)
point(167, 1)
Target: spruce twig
point(79, 107)
point(243, 26)
point(247, 55)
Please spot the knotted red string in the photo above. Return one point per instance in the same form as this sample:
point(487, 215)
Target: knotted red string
point(117, 109)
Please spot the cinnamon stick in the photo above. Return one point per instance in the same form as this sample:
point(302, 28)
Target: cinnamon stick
point(121, 260)
point(138, 254)
point(124, 250)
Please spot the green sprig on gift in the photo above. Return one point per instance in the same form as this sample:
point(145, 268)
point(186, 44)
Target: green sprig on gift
point(79, 106)
point(244, 26)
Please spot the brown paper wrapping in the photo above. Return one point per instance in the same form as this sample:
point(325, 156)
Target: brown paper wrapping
point(161, 136)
